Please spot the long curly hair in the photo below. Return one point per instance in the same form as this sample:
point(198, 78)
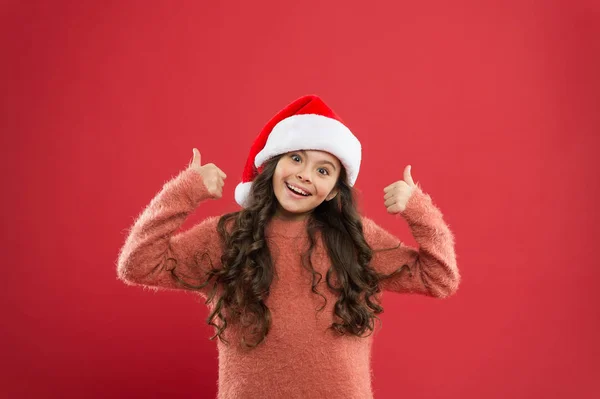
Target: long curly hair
point(247, 267)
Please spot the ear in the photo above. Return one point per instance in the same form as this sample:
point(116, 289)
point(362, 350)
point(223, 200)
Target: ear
point(332, 194)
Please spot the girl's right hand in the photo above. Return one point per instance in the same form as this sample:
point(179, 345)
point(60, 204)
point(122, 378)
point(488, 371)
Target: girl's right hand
point(213, 177)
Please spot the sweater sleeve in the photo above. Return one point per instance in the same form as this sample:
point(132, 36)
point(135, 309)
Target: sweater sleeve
point(429, 270)
point(153, 254)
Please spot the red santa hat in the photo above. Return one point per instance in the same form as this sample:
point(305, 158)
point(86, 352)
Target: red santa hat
point(305, 124)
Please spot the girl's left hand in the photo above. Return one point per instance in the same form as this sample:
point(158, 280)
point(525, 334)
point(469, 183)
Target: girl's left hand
point(397, 194)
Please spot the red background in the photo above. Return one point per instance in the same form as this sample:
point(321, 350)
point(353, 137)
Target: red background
point(495, 104)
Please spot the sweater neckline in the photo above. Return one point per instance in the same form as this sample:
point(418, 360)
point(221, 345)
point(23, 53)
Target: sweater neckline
point(286, 228)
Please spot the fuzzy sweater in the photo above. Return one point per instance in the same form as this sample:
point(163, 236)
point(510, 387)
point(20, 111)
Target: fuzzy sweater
point(301, 356)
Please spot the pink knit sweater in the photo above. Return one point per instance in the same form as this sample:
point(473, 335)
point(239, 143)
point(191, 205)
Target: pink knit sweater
point(301, 357)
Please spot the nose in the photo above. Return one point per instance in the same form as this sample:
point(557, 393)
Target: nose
point(303, 175)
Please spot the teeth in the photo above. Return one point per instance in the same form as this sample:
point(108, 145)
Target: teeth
point(297, 190)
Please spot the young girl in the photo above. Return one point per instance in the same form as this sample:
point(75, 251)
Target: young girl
point(293, 280)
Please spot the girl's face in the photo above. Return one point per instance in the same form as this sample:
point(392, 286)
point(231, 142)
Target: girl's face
point(303, 180)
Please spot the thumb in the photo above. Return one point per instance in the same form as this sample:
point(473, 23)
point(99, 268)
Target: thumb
point(197, 158)
point(407, 176)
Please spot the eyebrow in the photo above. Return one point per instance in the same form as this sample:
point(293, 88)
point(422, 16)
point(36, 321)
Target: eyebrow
point(323, 161)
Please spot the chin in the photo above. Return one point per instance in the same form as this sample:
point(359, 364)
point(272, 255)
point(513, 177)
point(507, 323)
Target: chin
point(293, 209)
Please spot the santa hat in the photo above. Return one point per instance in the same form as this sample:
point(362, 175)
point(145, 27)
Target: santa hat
point(305, 124)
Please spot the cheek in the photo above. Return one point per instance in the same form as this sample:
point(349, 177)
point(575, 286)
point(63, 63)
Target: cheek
point(278, 177)
point(276, 180)
point(325, 188)
point(281, 170)
point(277, 173)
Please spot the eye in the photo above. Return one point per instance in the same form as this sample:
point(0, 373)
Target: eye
point(323, 171)
point(296, 157)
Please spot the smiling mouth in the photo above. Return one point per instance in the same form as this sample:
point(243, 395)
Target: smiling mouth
point(297, 191)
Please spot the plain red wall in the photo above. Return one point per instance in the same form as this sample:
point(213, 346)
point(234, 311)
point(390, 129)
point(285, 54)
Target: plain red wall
point(495, 104)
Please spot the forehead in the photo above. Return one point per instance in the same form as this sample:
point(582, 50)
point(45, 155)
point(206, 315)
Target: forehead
point(321, 156)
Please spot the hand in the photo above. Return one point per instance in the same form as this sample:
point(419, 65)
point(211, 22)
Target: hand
point(213, 177)
point(397, 194)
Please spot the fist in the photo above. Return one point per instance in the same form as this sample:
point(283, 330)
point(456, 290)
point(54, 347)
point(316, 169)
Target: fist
point(213, 177)
point(397, 194)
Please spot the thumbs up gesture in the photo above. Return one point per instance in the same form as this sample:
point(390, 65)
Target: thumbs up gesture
point(397, 194)
point(212, 176)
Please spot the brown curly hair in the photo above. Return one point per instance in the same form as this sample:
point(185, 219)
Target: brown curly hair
point(247, 267)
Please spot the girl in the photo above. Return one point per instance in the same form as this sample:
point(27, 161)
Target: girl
point(293, 280)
